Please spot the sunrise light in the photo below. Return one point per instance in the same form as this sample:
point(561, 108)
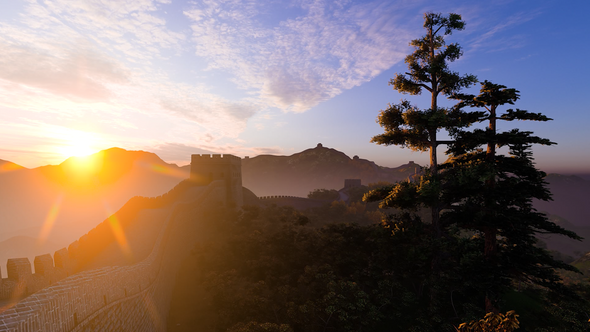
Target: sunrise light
point(77, 144)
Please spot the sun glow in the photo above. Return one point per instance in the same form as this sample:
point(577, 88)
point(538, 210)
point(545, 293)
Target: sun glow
point(78, 144)
point(79, 148)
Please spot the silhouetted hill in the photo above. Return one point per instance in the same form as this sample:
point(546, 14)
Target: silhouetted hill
point(571, 199)
point(315, 168)
point(564, 244)
point(76, 195)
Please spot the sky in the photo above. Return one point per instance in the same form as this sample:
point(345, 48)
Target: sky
point(269, 77)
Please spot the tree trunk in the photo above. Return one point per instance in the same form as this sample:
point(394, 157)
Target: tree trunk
point(490, 246)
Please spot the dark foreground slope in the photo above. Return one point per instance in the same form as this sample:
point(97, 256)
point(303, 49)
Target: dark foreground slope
point(276, 269)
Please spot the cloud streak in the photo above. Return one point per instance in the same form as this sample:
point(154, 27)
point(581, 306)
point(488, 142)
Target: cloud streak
point(303, 60)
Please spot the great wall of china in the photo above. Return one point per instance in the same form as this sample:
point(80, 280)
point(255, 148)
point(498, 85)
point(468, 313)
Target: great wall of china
point(126, 297)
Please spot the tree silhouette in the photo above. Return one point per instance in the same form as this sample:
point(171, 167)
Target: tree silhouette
point(491, 194)
point(408, 126)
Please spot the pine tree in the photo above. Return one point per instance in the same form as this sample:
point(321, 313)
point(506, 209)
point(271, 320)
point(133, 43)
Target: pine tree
point(491, 194)
point(408, 126)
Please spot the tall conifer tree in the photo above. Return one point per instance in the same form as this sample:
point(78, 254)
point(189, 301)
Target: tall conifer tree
point(492, 194)
point(408, 126)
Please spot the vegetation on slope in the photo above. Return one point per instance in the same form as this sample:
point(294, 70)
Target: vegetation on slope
point(277, 269)
point(474, 255)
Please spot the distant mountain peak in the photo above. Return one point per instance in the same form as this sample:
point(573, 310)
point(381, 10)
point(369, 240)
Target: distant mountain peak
point(319, 167)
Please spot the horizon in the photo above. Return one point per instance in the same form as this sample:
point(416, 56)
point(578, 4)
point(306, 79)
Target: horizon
point(584, 175)
point(179, 77)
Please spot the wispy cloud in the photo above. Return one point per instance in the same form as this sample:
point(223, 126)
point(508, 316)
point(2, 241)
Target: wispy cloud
point(74, 73)
point(197, 74)
point(302, 60)
point(488, 41)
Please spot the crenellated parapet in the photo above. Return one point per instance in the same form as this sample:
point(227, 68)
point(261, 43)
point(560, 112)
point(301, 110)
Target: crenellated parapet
point(62, 295)
point(121, 298)
point(22, 282)
point(278, 196)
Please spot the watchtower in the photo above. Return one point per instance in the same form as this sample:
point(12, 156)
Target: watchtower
point(207, 168)
point(350, 183)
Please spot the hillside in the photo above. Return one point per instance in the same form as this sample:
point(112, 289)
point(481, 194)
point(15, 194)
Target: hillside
point(59, 203)
point(315, 168)
point(571, 199)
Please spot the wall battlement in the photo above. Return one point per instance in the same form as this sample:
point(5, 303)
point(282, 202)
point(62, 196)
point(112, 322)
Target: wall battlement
point(21, 282)
point(124, 298)
point(203, 158)
point(58, 297)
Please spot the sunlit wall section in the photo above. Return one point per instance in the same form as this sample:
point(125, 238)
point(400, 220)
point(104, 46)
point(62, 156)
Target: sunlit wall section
point(125, 298)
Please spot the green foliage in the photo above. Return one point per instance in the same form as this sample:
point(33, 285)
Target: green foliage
point(482, 224)
point(324, 194)
point(355, 212)
point(336, 269)
point(428, 63)
point(260, 327)
point(492, 194)
point(355, 194)
point(266, 266)
point(406, 125)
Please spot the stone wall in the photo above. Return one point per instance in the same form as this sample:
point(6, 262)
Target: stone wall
point(124, 298)
point(299, 203)
point(21, 282)
point(206, 168)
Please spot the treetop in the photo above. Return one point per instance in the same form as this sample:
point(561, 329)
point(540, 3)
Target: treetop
point(449, 23)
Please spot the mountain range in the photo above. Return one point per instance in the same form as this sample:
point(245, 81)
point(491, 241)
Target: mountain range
point(316, 168)
point(51, 206)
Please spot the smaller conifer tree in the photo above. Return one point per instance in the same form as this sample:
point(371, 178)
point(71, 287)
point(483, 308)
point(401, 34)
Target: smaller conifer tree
point(492, 194)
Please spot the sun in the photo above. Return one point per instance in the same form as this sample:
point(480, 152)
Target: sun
point(77, 150)
point(82, 162)
point(77, 144)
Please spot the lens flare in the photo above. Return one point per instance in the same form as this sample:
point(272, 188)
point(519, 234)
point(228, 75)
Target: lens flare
point(120, 236)
point(167, 170)
point(50, 219)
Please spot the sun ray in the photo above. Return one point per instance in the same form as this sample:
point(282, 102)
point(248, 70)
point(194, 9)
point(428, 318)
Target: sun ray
point(50, 219)
point(119, 233)
point(167, 170)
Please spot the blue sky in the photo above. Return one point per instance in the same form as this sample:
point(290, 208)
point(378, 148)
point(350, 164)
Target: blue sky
point(268, 77)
